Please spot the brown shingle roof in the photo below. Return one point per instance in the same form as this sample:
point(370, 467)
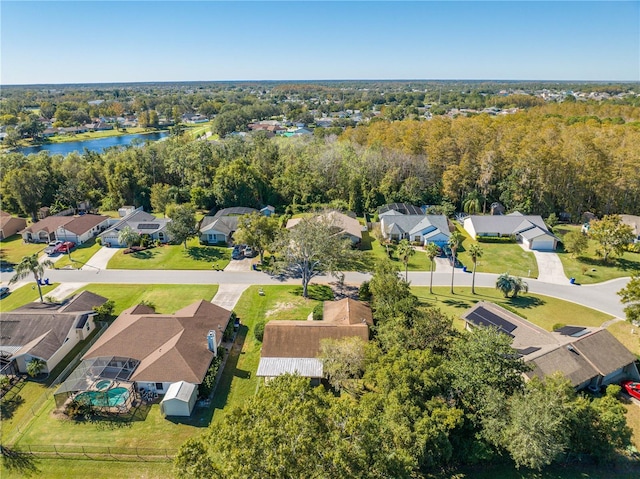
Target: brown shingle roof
point(604, 352)
point(49, 224)
point(81, 224)
point(84, 301)
point(170, 347)
point(347, 311)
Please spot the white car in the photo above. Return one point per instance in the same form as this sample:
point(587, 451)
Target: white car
point(52, 247)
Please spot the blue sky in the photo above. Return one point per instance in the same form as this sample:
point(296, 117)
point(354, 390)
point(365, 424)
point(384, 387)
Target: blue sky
point(116, 41)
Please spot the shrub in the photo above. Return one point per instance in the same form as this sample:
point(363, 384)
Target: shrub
point(364, 293)
point(79, 409)
point(209, 381)
point(104, 311)
point(258, 330)
point(558, 326)
point(99, 241)
point(228, 332)
point(318, 311)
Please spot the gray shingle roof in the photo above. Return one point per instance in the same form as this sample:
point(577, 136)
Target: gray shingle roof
point(505, 225)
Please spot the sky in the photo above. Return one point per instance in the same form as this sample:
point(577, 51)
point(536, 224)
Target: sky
point(123, 41)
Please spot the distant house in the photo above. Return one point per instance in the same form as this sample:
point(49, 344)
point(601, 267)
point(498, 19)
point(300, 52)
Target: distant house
point(531, 230)
point(588, 357)
point(139, 221)
point(400, 221)
point(46, 331)
point(349, 227)
point(293, 346)
point(10, 225)
point(219, 228)
point(65, 228)
point(634, 223)
point(267, 210)
point(49, 132)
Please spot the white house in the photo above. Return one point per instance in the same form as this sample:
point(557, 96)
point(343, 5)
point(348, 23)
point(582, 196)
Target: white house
point(219, 228)
point(530, 230)
point(65, 228)
point(180, 399)
point(420, 228)
point(140, 222)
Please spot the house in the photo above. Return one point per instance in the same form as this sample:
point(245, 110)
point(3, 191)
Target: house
point(65, 228)
point(588, 357)
point(10, 225)
point(49, 132)
point(267, 210)
point(347, 226)
point(291, 347)
point(139, 221)
point(634, 223)
point(219, 228)
point(400, 221)
point(46, 331)
point(403, 208)
point(180, 399)
point(530, 230)
point(163, 349)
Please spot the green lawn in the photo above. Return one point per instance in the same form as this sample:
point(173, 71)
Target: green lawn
point(13, 249)
point(57, 468)
point(589, 268)
point(628, 335)
point(94, 135)
point(499, 258)
point(544, 311)
point(196, 256)
point(25, 294)
point(374, 251)
point(168, 298)
point(238, 380)
point(79, 255)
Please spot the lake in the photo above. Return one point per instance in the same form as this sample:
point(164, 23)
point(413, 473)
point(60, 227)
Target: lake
point(97, 145)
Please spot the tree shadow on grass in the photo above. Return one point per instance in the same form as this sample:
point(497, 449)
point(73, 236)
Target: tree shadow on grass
point(18, 461)
point(319, 292)
point(230, 371)
point(8, 406)
point(457, 303)
point(208, 254)
point(146, 254)
point(526, 302)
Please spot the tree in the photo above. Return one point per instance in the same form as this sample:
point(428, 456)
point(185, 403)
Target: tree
point(161, 197)
point(35, 367)
point(192, 461)
point(575, 243)
point(630, 295)
point(454, 243)
point(343, 361)
point(128, 236)
point(405, 251)
point(511, 285)
point(432, 251)
point(183, 223)
point(257, 231)
point(611, 234)
point(475, 252)
point(472, 204)
point(31, 265)
point(311, 248)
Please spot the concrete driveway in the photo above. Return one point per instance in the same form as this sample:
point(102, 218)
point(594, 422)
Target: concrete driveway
point(240, 264)
point(228, 295)
point(442, 265)
point(550, 269)
point(100, 259)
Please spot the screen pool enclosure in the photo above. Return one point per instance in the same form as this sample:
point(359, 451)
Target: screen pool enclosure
point(103, 382)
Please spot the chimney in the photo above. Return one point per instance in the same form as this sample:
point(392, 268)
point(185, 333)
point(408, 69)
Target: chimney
point(211, 342)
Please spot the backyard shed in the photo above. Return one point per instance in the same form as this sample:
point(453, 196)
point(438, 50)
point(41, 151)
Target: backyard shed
point(180, 399)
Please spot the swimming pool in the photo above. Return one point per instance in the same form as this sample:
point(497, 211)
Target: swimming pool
point(103, 384)
point(113, 397)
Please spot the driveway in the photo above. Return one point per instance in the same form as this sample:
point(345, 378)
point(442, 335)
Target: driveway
point(240, 264)
point(64, 290)
point(228, 295)
point(443, 265)
point(550, 269)
point(100, 259)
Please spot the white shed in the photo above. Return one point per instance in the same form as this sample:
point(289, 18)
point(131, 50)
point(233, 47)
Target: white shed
point(180, 399)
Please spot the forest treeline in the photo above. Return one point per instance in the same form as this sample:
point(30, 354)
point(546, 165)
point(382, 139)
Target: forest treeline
point(553, 158)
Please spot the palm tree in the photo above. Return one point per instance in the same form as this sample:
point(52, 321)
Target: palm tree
point(432, 251)
point(503, 283)
point(454, 243)
point(128, 237)
point(517, 285)
point(472, 204)
point(405, 251)
point(35, 367)
point(31, 265)
point(475, 252)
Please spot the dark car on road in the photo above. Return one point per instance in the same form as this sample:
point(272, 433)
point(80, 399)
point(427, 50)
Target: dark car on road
point(4, 290)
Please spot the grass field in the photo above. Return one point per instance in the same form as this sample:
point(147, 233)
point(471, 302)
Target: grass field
point(94, 135)
point(57, 468)
point(168, 298)
point(628, 335)
point(589, 268)
point(24, 295)
point(374, 251)
point(13, 249)
point(195, 256)
point(79, 255)
point(238, 380)
point(544, 311)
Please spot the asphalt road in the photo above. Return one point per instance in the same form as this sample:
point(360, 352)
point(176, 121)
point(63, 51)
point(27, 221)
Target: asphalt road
point(600, 296)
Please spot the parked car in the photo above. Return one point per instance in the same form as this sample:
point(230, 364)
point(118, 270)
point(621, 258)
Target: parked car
point(66, 247)
point(51, 249)
point(237, 253)
point(4, 290)
point(249, 252)
point(632, 388)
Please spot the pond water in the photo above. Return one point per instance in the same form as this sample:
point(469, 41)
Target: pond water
point(97, 145)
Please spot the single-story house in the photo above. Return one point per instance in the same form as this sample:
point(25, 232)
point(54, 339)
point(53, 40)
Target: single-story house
point(65, 228)
point(403, 208)
point(634, 222)
point(420, 228)
point(293, 346)
point(347, 226)
point(180, 399)
point(10, 225)
point(588, 357)
point(531, 230)
point(46, 331)
point(164, 348)
point(139, 221)
point(219, 228)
